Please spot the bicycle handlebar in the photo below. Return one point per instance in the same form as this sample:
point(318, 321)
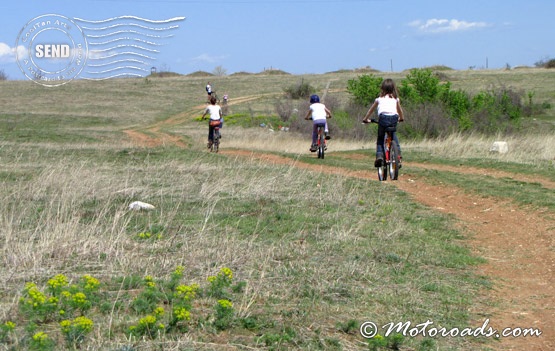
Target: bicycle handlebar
point(373, 120)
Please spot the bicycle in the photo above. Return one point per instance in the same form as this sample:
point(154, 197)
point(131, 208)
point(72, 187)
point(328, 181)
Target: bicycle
point(215, 145)
point(321, 145)
point(392, 155)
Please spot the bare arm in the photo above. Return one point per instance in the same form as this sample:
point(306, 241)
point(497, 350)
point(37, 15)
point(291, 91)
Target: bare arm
point(328, 112)
point(370, 111)
point(400, 112)
point(308, 115)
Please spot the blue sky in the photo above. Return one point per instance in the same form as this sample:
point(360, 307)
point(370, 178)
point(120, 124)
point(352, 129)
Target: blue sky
point(307, 36)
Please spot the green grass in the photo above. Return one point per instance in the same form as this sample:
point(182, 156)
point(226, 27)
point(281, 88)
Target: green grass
point(318, 254)
point(313, 249)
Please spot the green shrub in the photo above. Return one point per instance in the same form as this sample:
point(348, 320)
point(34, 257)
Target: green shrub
point(303, 90)
point(365, 89)
point(422, 86)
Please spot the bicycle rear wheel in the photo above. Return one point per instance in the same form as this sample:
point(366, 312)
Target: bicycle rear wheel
point(394, 161)
point(216, 143)
point(321, 143)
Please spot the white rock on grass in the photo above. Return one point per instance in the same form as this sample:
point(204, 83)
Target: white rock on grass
point(139, 205)
point(501, 147)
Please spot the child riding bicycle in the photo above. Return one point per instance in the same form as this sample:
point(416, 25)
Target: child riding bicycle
point(389, 113)
point(215, 112)
point(319, 113)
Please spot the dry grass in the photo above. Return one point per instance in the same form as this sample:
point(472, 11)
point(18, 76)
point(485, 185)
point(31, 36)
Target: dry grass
point(523, 149)
point(315, 250)
point(307, 245)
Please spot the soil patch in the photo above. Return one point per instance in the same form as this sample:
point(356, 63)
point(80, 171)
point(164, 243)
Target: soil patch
point(518, 244)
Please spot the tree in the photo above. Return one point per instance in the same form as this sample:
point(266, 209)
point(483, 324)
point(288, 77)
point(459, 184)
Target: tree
point(219, 71)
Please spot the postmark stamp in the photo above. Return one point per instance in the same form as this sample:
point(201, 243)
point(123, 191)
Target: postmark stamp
point(55, 50)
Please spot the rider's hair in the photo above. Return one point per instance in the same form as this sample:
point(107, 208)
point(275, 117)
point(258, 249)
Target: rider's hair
point(213, 100)
point(389, 88)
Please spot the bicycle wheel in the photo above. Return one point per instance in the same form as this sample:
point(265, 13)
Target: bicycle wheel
point(394, 161)
point(321, 143)
point(382, 172)
point(216, 143)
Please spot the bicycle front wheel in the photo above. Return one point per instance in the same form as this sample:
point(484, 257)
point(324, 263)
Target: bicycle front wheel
point(394, 161)
point(321, 144)
point(382, 172)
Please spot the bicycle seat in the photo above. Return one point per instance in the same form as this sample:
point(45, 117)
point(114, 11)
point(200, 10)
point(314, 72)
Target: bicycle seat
point(391, 129)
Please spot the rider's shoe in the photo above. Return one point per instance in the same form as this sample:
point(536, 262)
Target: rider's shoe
point(328, 137)
point(378, 162)
point(313, 148)
point(209, 145)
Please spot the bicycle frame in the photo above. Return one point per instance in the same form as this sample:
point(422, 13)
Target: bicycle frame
point(215, 146)
point(391, 158)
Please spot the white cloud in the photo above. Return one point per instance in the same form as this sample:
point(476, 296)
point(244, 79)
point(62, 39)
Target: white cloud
point(435, 25)
point(8, 54)
point(207, 58)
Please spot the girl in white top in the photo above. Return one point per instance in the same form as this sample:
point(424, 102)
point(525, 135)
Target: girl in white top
point(319, 114)
point(389, 113)
point(215, 112)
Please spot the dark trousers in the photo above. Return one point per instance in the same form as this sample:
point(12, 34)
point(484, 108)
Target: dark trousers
point(385, 122)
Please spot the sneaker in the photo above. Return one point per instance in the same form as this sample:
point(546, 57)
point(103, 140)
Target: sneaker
point(313, 148)
point(209, 145)
point(378, 162)
point(328, 137)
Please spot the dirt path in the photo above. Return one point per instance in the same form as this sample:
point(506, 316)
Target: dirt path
point(153, 135)
point(518, 243)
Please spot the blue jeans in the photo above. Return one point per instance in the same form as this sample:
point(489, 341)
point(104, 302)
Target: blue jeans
point(315, 132)
point(384, 122)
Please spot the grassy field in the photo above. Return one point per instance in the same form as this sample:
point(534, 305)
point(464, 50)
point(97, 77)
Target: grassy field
point(260, 256)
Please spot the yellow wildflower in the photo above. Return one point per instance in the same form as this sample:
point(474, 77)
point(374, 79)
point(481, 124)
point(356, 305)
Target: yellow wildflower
point(181, 314)
point(59, 281)
point(91, 283)
point(40, 336)
point(227, 272)
point(225, 303)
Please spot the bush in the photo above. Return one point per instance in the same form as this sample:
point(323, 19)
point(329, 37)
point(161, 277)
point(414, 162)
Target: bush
point(365, 89)
point(284, 109)
point(550, 64)
point(422, 86)
point(434, 110)
point(301, 91)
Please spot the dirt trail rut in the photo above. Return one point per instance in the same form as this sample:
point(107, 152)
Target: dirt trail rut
point(518, 243)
